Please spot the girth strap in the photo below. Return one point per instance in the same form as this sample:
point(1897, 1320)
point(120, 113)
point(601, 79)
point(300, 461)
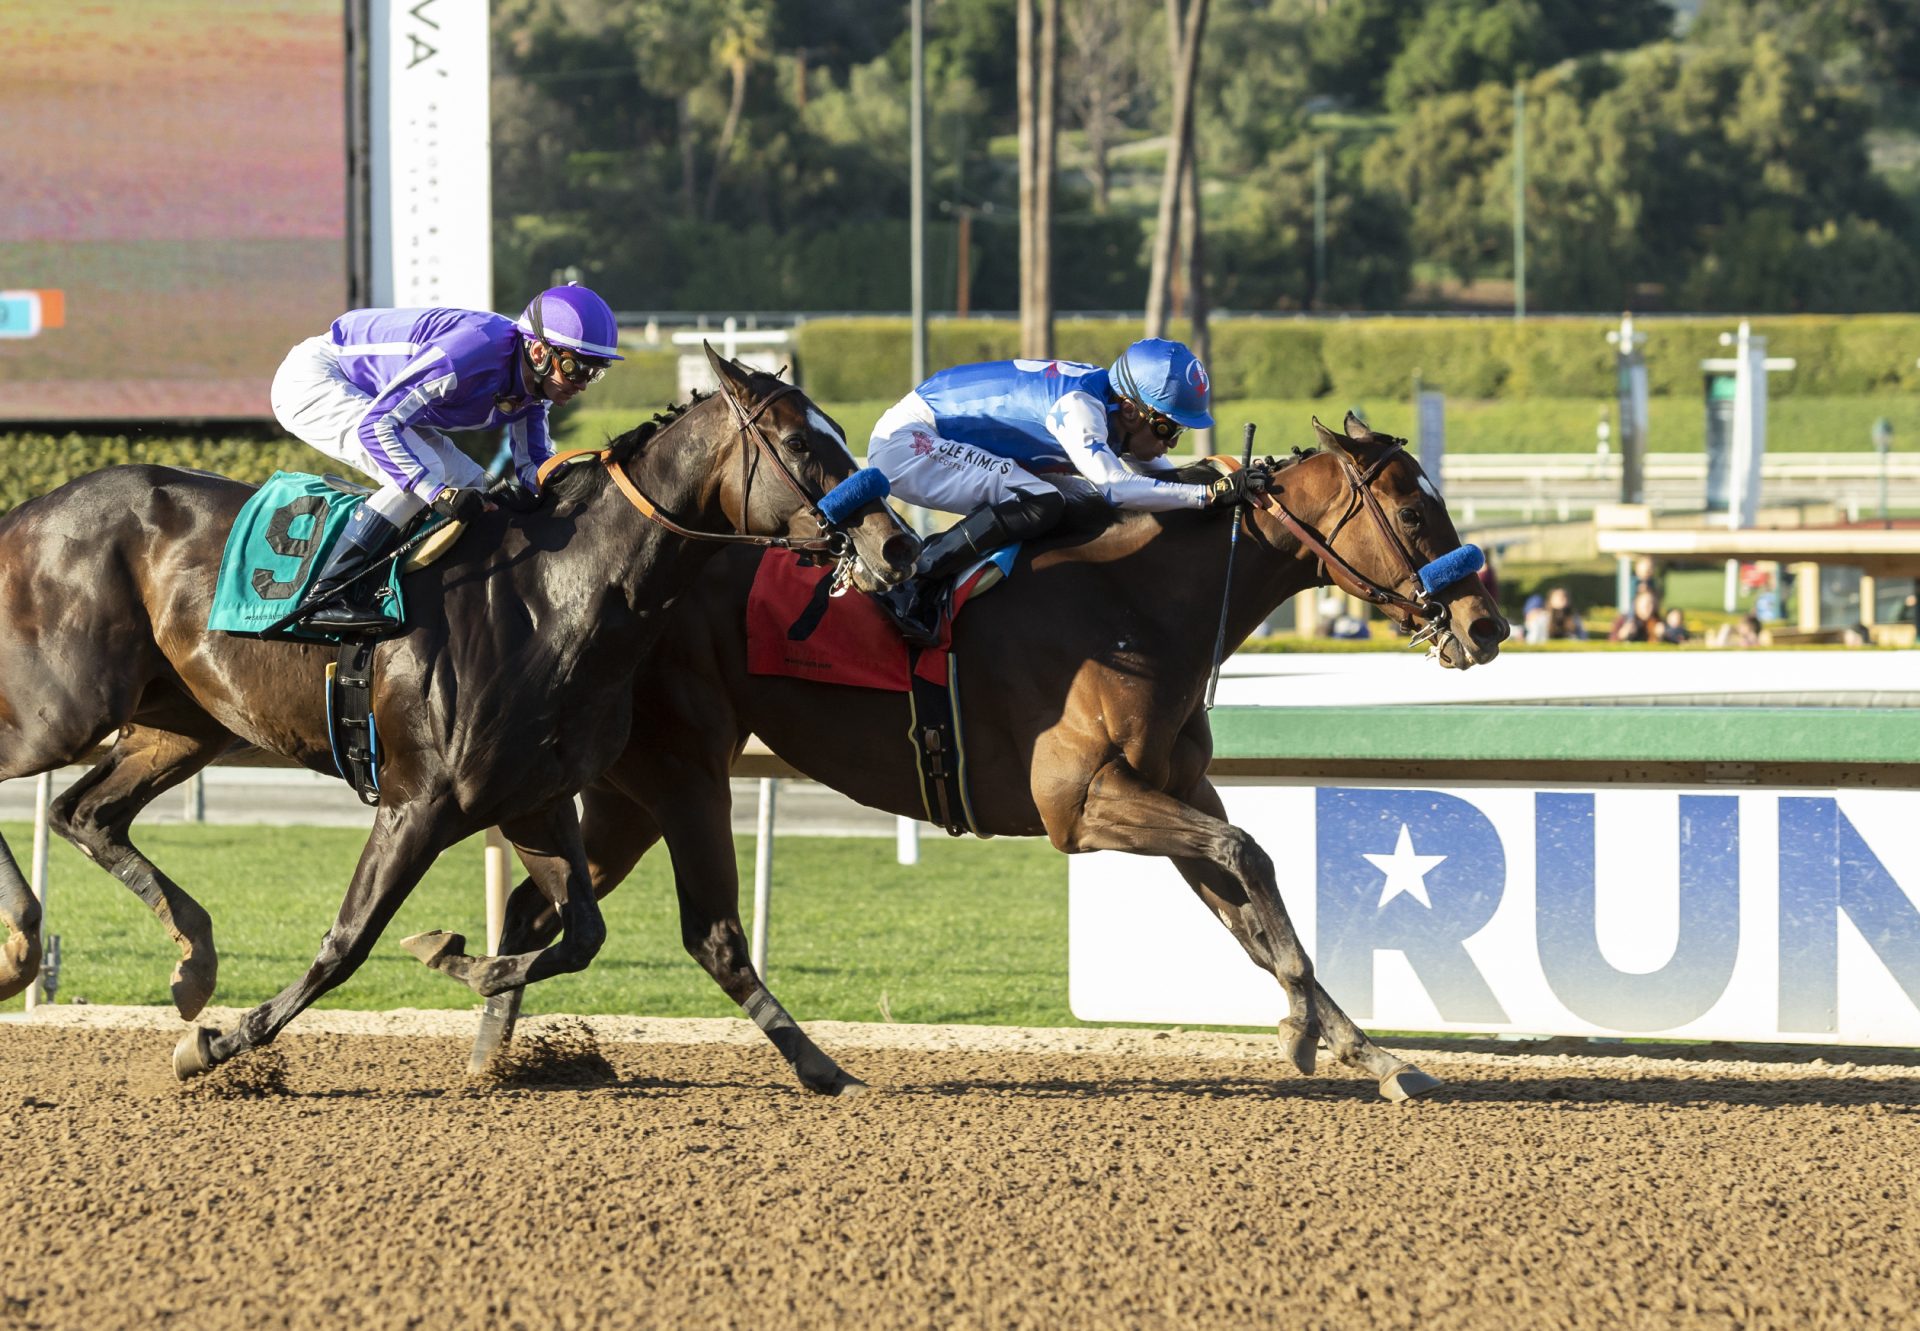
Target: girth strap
point(350, 726)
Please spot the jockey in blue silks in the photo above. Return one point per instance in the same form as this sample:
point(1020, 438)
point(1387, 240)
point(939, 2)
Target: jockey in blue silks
point(981, 440)
point(378, 388)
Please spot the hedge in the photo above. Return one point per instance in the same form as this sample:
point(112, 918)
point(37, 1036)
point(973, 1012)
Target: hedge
point(870, 359)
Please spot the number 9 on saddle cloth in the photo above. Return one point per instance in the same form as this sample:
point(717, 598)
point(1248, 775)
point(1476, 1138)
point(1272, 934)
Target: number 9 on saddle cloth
point(278, 544)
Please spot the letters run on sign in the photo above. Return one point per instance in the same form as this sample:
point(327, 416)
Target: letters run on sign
point(1761, 915)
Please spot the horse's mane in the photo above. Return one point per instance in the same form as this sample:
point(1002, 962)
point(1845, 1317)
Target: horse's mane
point(577, 482)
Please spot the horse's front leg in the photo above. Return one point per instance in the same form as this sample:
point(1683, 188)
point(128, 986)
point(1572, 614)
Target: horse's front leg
point(548, 842)
point(616, 832)
point(1399, 1080)
point(1121, 811)
point(405, 840)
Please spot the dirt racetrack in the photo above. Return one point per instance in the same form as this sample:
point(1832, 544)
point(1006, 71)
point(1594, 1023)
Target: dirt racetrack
point(358, 1180)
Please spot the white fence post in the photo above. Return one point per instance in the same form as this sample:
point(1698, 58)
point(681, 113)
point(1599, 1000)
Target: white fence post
point(495, 855)
point(42, 799)
point(906, 840)
point(763, 873)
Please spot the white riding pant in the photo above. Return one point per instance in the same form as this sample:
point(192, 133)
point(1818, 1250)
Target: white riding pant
point(320, 406)
point(945, 474)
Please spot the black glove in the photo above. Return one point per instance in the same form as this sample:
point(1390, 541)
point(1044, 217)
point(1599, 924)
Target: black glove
point(1235, 485)
point(513, 496)
point(459, 504)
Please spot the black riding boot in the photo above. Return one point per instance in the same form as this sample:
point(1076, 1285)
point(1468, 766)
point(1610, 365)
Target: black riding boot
point(350, 608)
point(915, 604)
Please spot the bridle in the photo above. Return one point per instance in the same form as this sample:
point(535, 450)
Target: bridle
point(833, 542)
point(1425, 604)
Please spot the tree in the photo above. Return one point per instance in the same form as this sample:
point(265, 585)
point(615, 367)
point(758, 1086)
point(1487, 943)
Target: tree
point(1262, 252)
point(1037, 85)
point(739, 42)
point(1180, 140)
point(1102, 77)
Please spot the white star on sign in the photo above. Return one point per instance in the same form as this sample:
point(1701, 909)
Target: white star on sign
point(1405, 871)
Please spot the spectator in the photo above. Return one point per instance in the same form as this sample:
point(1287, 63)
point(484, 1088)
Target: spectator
point(1340, 620)
point(1642, 622)
point(1533, 620)
point(1747, 631)
point(1673, 629)
point(1857, 635)
point(1562, 620)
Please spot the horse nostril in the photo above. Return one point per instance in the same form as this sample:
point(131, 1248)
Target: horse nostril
point(1489, 632)
point(900, 551)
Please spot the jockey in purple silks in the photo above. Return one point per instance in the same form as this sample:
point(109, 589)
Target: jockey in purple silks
point(982, 439)
point(377, 390)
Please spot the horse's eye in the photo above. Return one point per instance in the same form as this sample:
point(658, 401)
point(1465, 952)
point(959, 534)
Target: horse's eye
point(1410, 516)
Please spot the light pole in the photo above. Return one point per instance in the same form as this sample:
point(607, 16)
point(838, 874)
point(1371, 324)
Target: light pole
point(1883, 444)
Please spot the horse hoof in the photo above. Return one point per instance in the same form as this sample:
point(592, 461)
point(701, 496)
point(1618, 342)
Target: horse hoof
point(496, 1030)
point(846, 1085)
point(1408, 1082)
point(192, 986)
point(194, 1054)
point(435, 946)
point(1300, 1047)
point(19, 962)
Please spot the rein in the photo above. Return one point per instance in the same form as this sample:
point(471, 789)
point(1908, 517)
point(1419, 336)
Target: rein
point(830, 542)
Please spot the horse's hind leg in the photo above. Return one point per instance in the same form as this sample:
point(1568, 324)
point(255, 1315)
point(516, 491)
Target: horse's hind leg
point(1398, 1079)
point(96, 813)
point(706, 876)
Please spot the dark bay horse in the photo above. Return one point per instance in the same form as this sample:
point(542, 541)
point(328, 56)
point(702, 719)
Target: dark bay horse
point(511, 690)
point(1082, 681)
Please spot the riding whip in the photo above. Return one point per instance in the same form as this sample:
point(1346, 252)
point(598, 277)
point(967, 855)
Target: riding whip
point(1233, 548)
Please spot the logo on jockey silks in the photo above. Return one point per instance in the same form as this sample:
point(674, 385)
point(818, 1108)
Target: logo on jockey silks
point(922, 444)
point(1197, 374)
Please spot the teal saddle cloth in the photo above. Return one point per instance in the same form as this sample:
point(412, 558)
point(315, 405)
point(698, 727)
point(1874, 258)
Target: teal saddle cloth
point(277, 547)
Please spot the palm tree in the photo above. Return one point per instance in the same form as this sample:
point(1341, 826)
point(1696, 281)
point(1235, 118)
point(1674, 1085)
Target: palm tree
point(739, 43)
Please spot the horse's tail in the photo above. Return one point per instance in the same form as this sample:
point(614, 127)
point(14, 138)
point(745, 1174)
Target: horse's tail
point(20, 911)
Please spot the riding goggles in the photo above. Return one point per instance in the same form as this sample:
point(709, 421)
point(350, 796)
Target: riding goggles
point(1163, 427)
point(578, 370)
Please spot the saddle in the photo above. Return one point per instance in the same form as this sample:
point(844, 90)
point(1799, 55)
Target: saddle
point(796, 628)
point(279, 539)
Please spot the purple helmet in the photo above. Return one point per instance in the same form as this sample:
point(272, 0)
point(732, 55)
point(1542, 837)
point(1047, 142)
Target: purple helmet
point(574, 317)
point(1167, 377)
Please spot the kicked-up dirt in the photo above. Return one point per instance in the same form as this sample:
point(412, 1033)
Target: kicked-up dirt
point(360, 1180)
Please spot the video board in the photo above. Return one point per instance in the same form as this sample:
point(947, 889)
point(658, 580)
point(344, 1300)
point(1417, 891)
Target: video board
point(173, 203)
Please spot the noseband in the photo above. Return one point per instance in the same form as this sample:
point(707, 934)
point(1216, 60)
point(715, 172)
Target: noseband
point(1425, 578)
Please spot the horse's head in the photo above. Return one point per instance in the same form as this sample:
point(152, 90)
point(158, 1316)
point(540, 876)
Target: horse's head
point(1366, 511)
point(796, 478)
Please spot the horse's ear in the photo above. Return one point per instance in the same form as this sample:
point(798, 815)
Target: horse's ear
point(732, 376)
point(1357, 429)
point(1328, 439)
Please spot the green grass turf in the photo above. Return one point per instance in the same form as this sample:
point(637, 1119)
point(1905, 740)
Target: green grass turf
point(1509, 425)
point(976, 933)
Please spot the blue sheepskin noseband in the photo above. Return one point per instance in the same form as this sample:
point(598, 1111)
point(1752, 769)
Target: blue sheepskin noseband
point(853, 494)
point(1450, 567)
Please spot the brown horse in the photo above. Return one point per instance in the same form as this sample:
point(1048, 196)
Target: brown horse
point(1082, 683)
point(511, 690)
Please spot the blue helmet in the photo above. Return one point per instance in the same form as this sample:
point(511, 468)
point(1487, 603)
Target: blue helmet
point(1167, 377)
point(574, 317)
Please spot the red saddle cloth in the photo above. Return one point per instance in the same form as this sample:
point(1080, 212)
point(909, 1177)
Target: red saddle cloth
point(855, 643)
